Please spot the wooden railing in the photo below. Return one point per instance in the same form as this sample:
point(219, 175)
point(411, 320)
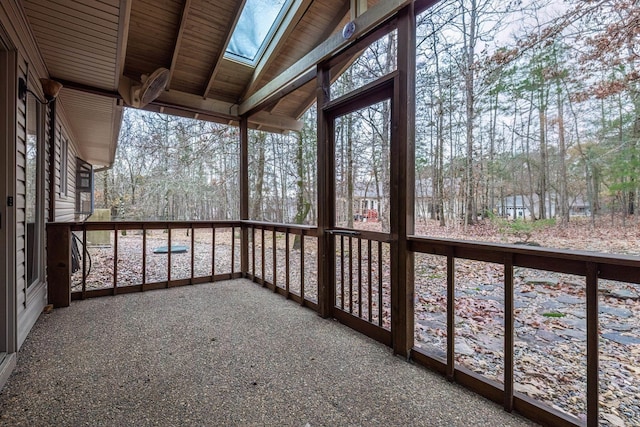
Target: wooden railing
point(269, 245)
point(62, 237)
point(363, 282)
point(285, 259)
point(590, 266)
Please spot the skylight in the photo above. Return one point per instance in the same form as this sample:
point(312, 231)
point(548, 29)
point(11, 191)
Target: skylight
point(257, 24)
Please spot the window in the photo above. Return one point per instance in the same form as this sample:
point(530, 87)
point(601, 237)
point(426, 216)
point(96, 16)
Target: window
point(64, 167)
point(34, 213)
point(255, 28)
point(84, 187)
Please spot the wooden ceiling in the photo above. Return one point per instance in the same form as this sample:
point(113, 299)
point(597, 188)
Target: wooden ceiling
point(93, 45)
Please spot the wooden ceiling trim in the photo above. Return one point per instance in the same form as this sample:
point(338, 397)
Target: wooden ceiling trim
point(220, 57)
point(123, 39)
point(290, 22)
point(176, 49)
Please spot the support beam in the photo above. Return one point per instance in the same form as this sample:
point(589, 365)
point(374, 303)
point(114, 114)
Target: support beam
point(358, 7)
point(220, 57)
point(276, 121)
point(123, 39)
point(326, 199)
point(402, 186)
point(244, 194)
point(369, 20)
point(195, 106)
point(176, 47)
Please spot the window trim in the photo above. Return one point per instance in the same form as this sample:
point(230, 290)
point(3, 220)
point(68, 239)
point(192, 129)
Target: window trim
point(64, 167)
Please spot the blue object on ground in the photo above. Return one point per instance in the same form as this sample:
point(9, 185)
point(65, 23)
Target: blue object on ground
point(175, 249)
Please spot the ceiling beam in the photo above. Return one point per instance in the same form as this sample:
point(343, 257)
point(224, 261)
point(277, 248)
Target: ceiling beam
point(220, 57)
point(264, 118)
point(358, 7)
point(196, 106)
point(364, 23)
point(123, 39)
point(289, 23)
point(176, 49)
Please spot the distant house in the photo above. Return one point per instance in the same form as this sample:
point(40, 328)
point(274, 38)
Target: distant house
point(522, 206)
point(579, 207)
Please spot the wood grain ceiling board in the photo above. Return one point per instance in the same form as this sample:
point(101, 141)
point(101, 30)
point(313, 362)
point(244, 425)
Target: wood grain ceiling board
point(230, 81)
point(78, 40)
point(202, 41)
point(153, 28)
point(297, 102)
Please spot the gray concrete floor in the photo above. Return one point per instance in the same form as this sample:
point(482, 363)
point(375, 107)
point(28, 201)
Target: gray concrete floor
point(223, 354)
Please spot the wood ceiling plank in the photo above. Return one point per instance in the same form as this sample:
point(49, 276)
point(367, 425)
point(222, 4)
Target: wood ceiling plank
point(70, 14)
point(69, 22)
point(49, 30)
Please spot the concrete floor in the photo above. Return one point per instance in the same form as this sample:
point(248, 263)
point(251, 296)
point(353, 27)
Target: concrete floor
point(223, 354)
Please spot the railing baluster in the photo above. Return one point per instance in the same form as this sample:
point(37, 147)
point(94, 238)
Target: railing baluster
point(193, 251)
point(213, 253)
point(262, 258)
point(342, 272)
point(253, 253)
point(144, 256)
point(169, 255)
point(508, 332)
point(370, 303)
point(233, 250)
point(301, 270)
point(592, 345)
point(380, 291)
point(287, 266)
point(115, 260)
point(451, 316)
point(359, 277)
point(350, 275)
point(273, 257)
point(84, 260)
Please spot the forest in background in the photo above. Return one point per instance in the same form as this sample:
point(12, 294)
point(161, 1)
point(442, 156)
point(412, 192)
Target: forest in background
point(521, 106)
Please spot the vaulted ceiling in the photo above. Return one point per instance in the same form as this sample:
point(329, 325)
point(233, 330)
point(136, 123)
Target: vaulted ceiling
point(94, 46)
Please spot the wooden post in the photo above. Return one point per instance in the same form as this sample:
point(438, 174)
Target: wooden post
point(326, 199)
point(59, 265)
point(244, 194)
point(593, 337)
point(402, 185)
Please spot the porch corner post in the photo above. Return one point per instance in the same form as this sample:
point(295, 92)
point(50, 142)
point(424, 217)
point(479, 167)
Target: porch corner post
point(244, 195)
point(402, 184)
point(59, 265)
point(326, 199)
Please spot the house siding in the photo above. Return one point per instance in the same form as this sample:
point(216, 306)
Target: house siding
point(26, 302)
point(65, 205)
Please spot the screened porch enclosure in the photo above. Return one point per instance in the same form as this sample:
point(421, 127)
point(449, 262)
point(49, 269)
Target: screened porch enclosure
point(350, 249)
